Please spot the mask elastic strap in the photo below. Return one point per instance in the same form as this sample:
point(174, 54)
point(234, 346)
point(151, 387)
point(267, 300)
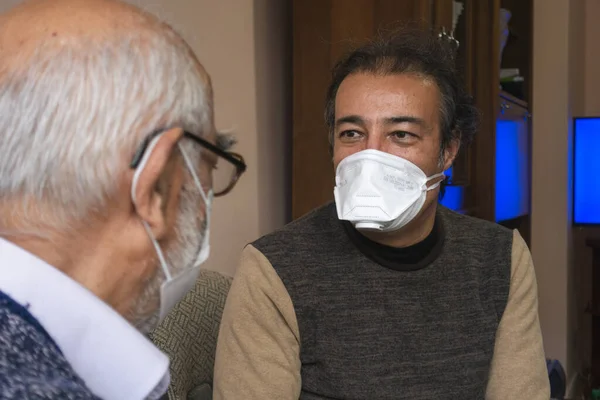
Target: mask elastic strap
point(207, 198)
point(161, 257)
point(432, 177)
point(136, 177)
point(192, 170)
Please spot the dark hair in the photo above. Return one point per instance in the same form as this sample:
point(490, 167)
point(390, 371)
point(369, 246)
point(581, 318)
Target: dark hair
point(412, 51)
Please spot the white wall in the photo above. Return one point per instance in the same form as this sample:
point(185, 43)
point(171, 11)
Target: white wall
point(561, 91)
point(551, 136)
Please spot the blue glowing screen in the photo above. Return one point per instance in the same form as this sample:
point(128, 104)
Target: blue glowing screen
point(512, 173)
point(586, 159)
point(453, 198)
point(453, 195)
point(512, 170)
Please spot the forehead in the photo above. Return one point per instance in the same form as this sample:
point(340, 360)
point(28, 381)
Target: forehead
point(372, 95)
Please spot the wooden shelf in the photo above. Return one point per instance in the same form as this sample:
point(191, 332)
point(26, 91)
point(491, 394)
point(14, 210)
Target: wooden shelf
point(509, 97)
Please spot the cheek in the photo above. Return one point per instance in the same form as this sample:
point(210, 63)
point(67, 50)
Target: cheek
point(204, 173)
point(424, 156)
point(412, 154)
point(341, 152)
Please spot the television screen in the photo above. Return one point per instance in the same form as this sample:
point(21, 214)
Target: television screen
point(586, 170)
point(512, 170)
point(511, 173)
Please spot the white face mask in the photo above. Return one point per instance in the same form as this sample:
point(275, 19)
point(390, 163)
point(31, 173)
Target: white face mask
point(379, 191)
point(176, 286)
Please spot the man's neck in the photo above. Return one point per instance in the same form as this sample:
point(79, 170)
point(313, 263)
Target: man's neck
point(83, 260)
point(414, 232)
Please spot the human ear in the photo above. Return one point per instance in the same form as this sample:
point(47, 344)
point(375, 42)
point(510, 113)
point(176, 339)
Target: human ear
point(149, 202)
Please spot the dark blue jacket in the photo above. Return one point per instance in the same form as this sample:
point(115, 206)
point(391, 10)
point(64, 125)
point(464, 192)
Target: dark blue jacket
point(32, 367)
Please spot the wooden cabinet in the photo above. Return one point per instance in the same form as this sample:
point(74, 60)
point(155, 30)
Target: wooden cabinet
point(323, 30)
point(593, 309)
point(477, 31)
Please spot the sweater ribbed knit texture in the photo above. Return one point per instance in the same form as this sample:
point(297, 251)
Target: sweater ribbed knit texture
point(370, 332)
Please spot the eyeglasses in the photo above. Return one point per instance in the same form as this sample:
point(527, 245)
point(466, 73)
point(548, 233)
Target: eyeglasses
point(229, 167)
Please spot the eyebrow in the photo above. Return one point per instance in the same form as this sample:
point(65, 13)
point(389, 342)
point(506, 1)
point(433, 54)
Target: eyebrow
point(405, 119)
point(357, 120)
point(225, 141)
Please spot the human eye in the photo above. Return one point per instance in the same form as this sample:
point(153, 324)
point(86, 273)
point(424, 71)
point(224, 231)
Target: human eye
point(350, 135)
point(402, 136)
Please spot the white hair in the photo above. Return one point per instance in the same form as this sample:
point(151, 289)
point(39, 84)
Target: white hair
point(73, 113)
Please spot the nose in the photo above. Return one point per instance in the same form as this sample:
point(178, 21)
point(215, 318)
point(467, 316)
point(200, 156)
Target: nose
point(375, 141)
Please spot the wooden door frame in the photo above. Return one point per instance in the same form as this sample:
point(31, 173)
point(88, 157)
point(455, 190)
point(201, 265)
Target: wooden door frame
point(485, 84)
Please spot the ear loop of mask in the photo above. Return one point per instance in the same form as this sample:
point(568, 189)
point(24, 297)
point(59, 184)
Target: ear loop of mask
point(438, 183)
point(136, 177)
point(207, 198)
point(192, 170)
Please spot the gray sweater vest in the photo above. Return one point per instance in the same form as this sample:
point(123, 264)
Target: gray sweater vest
point(370, 332)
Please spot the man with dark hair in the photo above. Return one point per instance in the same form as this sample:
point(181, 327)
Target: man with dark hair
point(385, 294)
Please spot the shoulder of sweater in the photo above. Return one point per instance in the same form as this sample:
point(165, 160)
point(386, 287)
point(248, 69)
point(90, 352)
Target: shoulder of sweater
point(9, 306)
point(320, 220)
point(323, 222)
point(469, 225)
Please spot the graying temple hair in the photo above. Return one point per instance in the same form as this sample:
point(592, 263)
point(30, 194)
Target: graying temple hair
point(72, 115)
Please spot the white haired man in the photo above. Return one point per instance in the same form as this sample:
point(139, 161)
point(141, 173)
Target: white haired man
point(107, 160)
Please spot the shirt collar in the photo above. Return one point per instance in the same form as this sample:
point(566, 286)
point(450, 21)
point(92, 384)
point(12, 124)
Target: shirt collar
point(107, 352)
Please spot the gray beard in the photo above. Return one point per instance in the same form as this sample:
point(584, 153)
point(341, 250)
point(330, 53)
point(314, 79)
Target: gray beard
point(189, 233)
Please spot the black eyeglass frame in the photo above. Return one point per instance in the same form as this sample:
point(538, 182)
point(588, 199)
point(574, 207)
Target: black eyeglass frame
point(234, 158)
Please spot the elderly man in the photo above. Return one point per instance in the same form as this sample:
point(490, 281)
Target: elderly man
point(107, 150)
point(385, 294)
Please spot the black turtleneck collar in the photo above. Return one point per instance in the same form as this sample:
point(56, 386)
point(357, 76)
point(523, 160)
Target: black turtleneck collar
point(410, 258)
